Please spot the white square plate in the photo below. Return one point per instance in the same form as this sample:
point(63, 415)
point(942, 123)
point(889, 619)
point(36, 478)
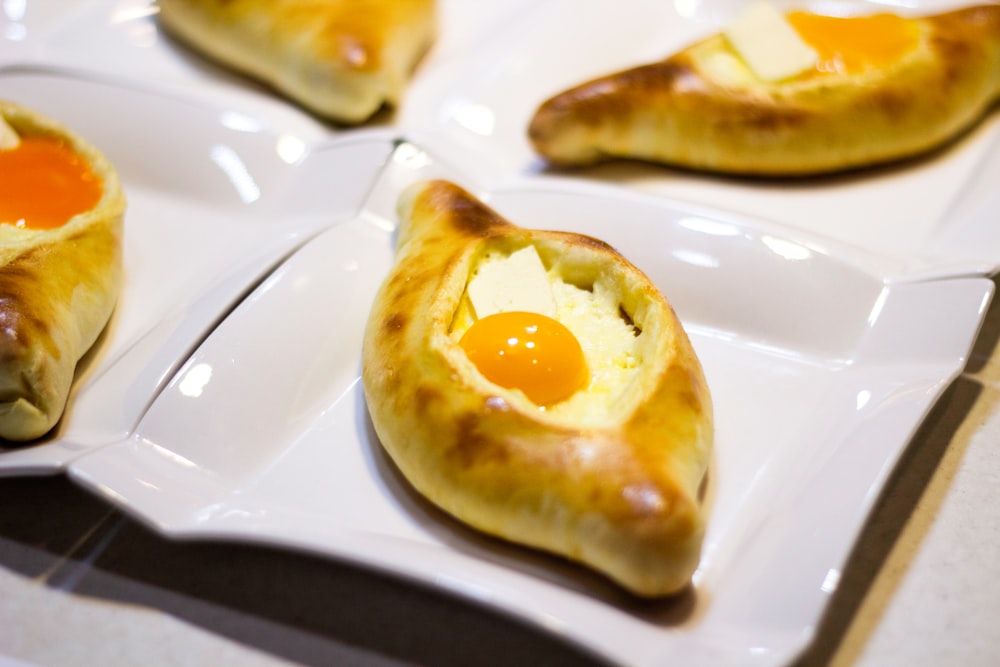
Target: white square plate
point(215, 200)
point(263, 434)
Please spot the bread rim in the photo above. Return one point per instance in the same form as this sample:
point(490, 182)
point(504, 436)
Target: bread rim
point(622, 497)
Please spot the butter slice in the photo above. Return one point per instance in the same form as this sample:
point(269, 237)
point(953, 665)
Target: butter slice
point(517, 282)
point(769, 44)
point(8, 137)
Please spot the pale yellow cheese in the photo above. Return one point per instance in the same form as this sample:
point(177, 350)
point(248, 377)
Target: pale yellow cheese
point(769, 44)
point(515, 282)
point(610, 346)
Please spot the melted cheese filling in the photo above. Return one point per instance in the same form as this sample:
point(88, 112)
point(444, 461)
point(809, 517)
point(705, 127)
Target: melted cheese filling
point(610, 344)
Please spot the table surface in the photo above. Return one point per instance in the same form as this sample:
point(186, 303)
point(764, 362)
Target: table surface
point(81, 583)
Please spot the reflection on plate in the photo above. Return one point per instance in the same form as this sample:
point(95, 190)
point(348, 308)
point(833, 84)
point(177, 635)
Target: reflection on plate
point(214, 201)
point(816, 394)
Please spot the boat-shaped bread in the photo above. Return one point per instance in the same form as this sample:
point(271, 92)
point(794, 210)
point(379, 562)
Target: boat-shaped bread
point(598, 448)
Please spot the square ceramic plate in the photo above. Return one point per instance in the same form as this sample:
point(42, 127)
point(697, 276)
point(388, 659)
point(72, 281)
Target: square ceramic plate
point(215, 199)
point(944, 205)
point(263, 434)
point(122, 37)
point(256, 239)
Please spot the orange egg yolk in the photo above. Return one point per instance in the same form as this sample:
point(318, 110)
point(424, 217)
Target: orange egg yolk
point(849, 45)
point(527, 351)
point(44, 183)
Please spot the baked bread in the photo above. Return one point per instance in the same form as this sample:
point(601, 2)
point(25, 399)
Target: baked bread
point(341, 59)
point(704, 108)
point(58, 285)
point(610, 477)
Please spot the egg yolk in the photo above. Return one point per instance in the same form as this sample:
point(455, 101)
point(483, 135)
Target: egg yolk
point(849, 45)
point(44, 183)
point(527, 351)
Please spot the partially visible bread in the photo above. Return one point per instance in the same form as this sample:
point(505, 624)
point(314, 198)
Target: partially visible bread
point(704, 109)
point(341, 59)
point(616, 489)
point(58, 288)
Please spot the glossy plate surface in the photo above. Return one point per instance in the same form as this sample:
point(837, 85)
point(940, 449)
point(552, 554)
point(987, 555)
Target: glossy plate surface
point(495, 62)
point(929, 214)
point(215, 199)
point(123, 37)
point(816, 393)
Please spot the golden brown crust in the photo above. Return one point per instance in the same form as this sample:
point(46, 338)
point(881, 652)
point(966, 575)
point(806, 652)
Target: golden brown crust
point(58, 288)
point(621, 495)
point(702, 109)
point(342, 59)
